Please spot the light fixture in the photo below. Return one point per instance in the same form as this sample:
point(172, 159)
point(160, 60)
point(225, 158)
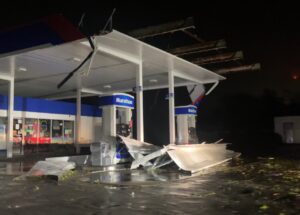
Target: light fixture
point(76, 59)
point(107, 86)
point(153, 80)
point(22, 69)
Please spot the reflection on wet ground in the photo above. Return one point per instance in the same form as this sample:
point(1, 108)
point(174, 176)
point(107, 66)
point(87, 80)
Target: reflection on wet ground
point(262, 186)
point(127, 177)
point(15, 168)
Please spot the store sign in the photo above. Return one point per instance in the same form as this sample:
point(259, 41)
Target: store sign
point(120, 100)
point(187, 110)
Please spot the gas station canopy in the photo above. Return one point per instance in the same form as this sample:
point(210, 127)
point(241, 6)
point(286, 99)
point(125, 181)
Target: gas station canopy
point(114, 68)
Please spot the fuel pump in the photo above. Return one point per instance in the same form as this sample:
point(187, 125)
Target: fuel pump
point(116, 120)
point(186, 124)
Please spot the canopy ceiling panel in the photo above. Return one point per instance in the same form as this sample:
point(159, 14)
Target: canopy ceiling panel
point(106, 75)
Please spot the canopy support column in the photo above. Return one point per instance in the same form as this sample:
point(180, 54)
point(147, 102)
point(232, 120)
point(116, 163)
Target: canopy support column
point(10, 115)
point(78, 115)
point(10, 111)
point(139, 103)
point(171, 106)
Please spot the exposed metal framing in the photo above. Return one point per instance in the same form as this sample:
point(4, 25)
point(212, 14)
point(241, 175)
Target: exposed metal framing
point(244, 68)
point(161, 29)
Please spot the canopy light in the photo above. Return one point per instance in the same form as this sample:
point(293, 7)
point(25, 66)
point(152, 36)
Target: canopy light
point(76, 59)
point(22, 69)
point(153, 80)
point(107, 86)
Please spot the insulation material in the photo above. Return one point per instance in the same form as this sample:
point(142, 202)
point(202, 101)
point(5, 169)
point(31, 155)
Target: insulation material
point(50, 168)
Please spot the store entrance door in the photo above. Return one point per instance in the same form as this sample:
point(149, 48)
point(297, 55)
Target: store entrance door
point(18, 136)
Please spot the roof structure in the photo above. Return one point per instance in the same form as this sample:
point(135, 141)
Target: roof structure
point(113, 68)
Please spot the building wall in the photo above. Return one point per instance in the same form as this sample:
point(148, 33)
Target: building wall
point(30, 108)
point(279, 124)
point(90, 126)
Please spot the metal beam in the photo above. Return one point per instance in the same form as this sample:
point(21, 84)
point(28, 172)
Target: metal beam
point(244, 68)
point(161, 29)
point(193, 35)
point(212, 88)
point(192, 78)
point(219, 58)
point(68, 97)
point(6, 76)
point(199, 48)
point(115, 53)
point(156, 87)
point(164, 86)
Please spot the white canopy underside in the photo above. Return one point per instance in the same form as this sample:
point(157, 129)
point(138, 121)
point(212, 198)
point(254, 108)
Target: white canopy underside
point(114, 68)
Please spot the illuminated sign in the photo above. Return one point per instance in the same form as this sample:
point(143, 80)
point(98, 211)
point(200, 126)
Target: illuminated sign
point(117, 99)
point(186, 110)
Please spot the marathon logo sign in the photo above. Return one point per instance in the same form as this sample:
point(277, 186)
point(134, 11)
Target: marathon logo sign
point(192, 111)
point(119, 100)
point(186, 110)
point(124, 101)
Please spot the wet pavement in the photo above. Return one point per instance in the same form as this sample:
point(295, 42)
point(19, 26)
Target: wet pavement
point(243, 186)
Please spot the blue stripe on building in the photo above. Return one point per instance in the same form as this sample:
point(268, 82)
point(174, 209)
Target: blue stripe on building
point(49, 106)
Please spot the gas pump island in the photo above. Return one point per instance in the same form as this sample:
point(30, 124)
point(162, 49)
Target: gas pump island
point(186, 124)
point(116, 120)
point(116, 145)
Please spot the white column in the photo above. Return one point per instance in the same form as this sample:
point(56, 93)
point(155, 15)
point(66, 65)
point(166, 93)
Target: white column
point(10, 111)
point(182, 129)
point(78, 119)
point(139, 103)
point(109, 121)
point(171, 106)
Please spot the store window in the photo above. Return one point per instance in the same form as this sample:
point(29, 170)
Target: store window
point(68, 132)
point(17, 132)
point(45, 137)
point(57, 131)
point(31, 131)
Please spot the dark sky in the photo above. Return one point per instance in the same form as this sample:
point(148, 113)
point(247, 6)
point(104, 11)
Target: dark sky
point(267, 31)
